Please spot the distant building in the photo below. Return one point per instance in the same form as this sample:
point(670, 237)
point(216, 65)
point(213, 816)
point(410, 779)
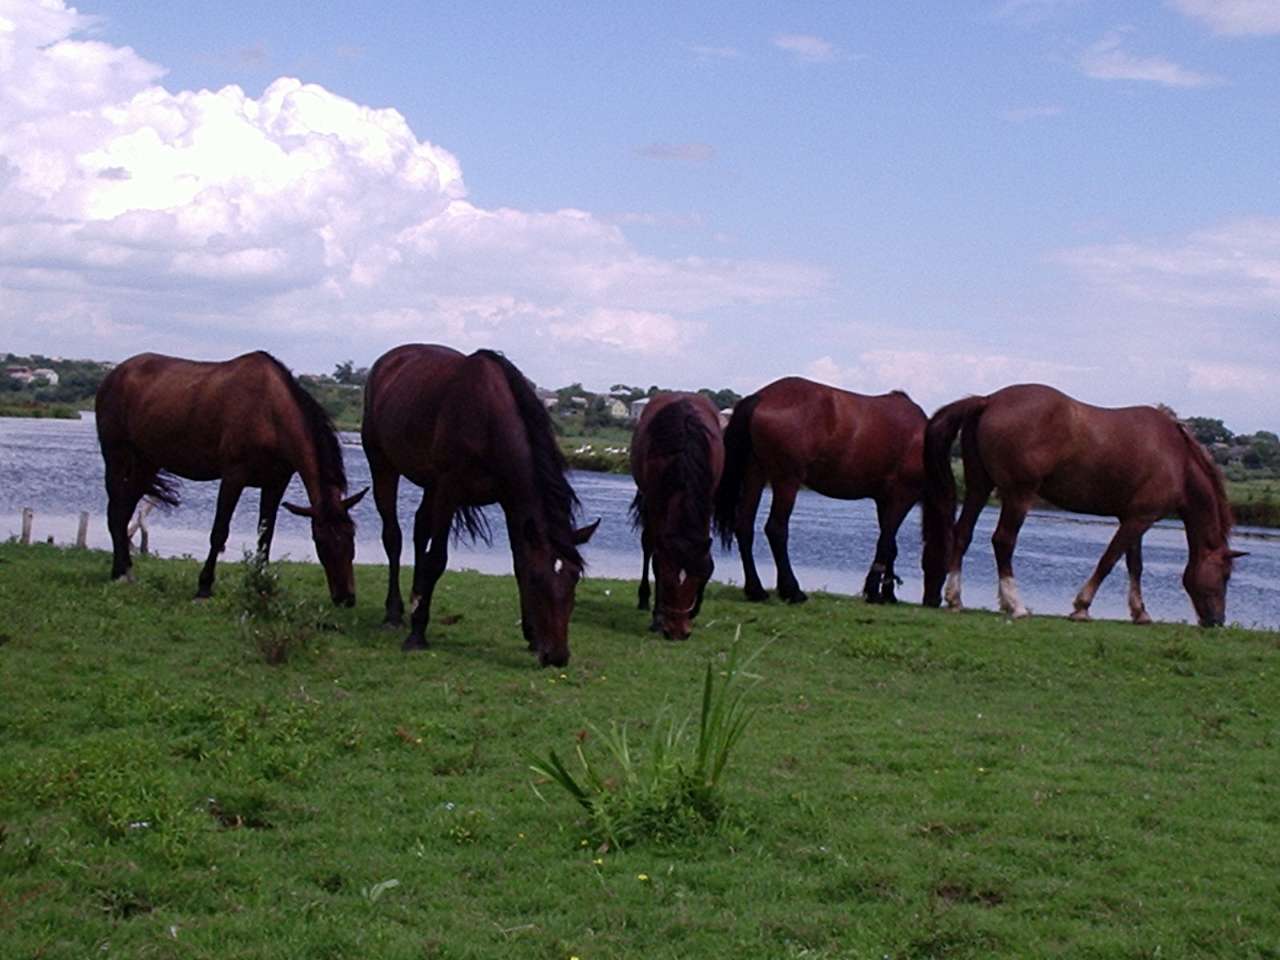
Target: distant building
point(21, 374)
point(725, 414)
point(548, 397)
point(616, 408)
point(637, 407)
point(48, 376)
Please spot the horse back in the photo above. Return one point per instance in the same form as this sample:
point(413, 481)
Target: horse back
point(194, 417)
point(1108, 461)
point(840, 443)
point(647, 456)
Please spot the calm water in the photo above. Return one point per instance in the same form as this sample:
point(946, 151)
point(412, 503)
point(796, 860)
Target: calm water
point(54, 467)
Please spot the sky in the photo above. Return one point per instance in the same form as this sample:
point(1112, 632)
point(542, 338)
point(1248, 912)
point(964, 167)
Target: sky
point(940, 197)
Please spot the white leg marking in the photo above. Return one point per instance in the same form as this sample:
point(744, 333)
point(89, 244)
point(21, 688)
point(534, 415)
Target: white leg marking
point(952, 591)
point(1084, 599)
point(1010, 601)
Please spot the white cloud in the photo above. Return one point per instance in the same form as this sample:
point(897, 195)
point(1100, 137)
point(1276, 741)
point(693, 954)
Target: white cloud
point(1232, 378)
point(1234, 265)
point(706, 52)
point(806, 47)
point(132, 217)
point(1108, 60)
point(1234, 17)
point(933, 378)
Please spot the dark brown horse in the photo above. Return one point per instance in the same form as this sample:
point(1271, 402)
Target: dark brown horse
point(677, 456)
point(245, 422)
point(844, 445)
point(470, 431)
point(1135, 463)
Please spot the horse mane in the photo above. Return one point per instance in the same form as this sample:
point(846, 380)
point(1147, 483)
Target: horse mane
point(319, 427)
point(550, 484)
point(679, 435)
point(1222, 503)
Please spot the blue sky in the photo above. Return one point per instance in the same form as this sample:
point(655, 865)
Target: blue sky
point(942, 197)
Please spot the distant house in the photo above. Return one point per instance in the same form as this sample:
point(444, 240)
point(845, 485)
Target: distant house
point(725, 414)
point(637, 407)
point(615, 408)
point(48, 376)
point(548, 397)
point(580, 402)
point(21, 374)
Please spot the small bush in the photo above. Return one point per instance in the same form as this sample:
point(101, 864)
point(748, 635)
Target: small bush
point(274, 622)
point(672, 790)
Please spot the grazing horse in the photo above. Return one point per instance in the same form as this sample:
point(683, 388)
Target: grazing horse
point(795, 433)
point(470, 431)
point(677, 456)
point(245, 422)
point(1137, 464)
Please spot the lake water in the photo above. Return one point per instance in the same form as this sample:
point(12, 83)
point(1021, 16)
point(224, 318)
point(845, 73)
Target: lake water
point(54, 466)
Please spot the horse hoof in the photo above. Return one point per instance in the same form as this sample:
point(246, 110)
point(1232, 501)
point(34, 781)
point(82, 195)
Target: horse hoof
point(654, 626)
point(393, 624)
point(412, 643)
point(757, 596)
point(200, 598)
point(1080, 615)
point(797, 598)
point(1142, 619)
point(1020, 614)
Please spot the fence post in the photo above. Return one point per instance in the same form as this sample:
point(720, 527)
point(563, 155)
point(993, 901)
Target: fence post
point(82, 534)
point(27, 516)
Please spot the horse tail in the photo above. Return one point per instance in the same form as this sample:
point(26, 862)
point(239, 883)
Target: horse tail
point(737, 455)
point(559, 503)
point(939, 480)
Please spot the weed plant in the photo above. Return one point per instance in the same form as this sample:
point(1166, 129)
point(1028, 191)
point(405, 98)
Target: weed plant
point(273, 621)
point(675, 789)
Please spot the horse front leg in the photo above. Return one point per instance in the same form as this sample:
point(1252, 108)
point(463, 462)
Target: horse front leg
point(228, 496)
point(268, 510)
point(1125, 540)
point(1137, 608)
point(1005, 538)
point(776, 528)
point(428, 569)
point(646, 551)
point(421, 538)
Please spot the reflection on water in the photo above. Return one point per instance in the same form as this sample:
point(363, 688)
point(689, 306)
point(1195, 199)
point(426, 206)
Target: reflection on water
point(54, 466)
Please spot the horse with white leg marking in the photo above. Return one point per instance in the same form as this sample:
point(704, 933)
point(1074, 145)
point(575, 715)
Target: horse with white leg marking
point(1137, 464)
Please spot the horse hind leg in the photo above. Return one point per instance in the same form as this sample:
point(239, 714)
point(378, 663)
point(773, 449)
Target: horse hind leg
point(646, 549)
point(744, 531)
point(386, 486)
point(776, 528)
point(978, 487)
point(880, 582)
point(127, 481)
point(1012, 514)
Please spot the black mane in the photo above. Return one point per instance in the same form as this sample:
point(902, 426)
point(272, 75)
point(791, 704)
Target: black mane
point(551, 486)
point(678, 434)
point(319, 427)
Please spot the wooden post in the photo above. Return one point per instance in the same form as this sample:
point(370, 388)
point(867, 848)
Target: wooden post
point(82, 534)
point(27, 516)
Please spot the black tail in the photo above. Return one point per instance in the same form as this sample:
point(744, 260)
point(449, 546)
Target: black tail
point(164, 488)
point(737, 455)
point(551, 485)
point(939, 508)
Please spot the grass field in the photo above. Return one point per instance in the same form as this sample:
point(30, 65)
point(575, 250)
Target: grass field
point(913, 784)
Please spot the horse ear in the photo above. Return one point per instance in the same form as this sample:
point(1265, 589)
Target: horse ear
point(350, 502)
point(1237, 554)
point(299, 511)
point(583, 534)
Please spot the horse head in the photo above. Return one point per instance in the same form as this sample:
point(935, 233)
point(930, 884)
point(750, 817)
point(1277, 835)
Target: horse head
point(548, 579)
point(334, 533)
point(1205, 580)
point(682, 567)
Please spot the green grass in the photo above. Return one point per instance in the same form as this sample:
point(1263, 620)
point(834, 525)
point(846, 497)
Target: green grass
point(913, 784)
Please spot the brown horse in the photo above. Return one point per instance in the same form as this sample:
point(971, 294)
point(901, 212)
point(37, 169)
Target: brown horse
point(1135, 463)
point(677, 456)
point(245, 422)
point(844, 445)
point(470, 431)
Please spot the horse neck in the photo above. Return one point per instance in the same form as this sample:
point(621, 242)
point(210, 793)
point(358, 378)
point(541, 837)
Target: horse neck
point(1202, 512)
point(301, 451)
